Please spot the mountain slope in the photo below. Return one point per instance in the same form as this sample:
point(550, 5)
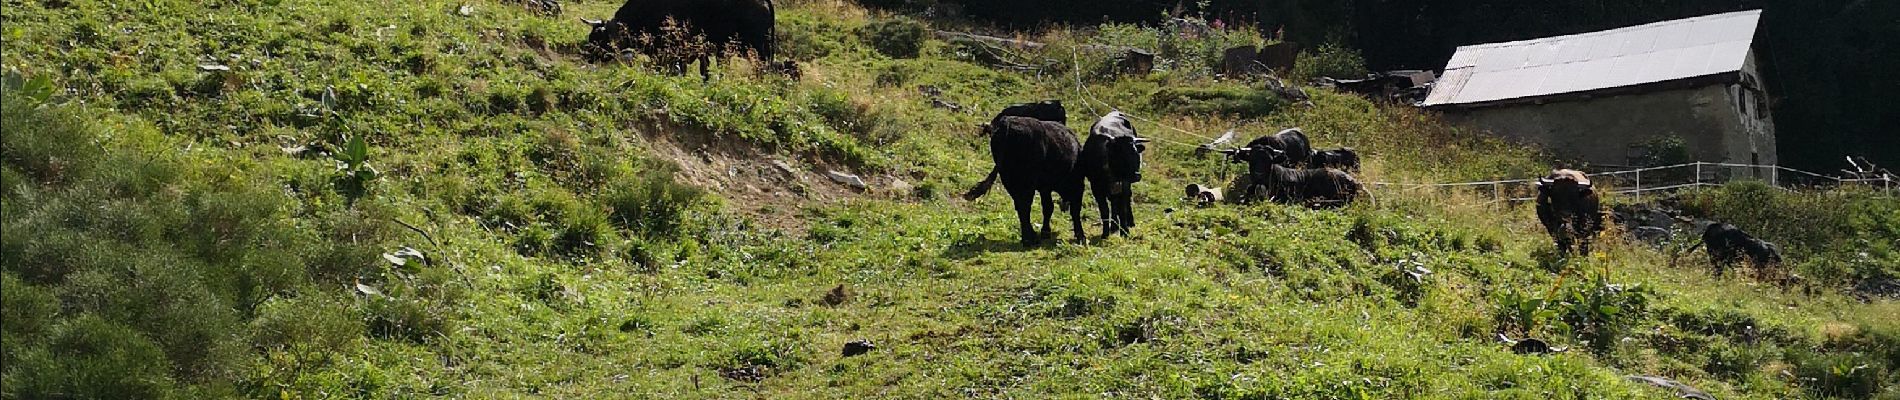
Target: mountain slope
point(173, 229)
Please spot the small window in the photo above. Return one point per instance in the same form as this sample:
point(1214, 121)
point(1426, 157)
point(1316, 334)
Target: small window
point(1761, 106)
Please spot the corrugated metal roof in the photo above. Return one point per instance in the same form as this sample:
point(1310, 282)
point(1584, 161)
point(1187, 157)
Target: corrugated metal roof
point(1658, 52)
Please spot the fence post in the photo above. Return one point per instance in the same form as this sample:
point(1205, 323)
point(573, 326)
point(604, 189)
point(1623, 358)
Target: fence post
point(1639, 184)
point(1698, 174)
point(1497, 192)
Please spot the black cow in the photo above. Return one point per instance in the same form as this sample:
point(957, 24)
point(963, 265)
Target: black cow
point(1728, 245)
point(1289, 148)
point(1046, 110)
point(641, 25)
point(1111, 160)
point(1324, 187)
point(1569, 209)
point(1342, 158)
point(1034, 156)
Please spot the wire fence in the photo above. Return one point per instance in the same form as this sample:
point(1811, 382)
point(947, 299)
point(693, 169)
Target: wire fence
point(1641, 182)
point(1631, 181)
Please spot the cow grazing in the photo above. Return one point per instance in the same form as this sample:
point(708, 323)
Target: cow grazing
point(1310, 187)
point(1111, 161)
point(1342, 158)
point(1728, 245)
point(1034, 156)
point(1569, 209)
point(1046, 110)
point(642, 25)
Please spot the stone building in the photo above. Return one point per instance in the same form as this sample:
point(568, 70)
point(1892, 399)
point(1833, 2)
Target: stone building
point(1611, 98)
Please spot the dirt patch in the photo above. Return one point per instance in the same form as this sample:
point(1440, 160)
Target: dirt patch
point(769, 187)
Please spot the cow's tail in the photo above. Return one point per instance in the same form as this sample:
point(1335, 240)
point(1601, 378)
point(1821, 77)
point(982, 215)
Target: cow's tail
point(982, 187)
point(1367, 189)
point(1698, 244)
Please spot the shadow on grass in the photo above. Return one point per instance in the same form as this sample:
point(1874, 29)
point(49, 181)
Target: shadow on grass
point(971, 249)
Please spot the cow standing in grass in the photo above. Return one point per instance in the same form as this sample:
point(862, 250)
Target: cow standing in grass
point(652, 27)
point(1033, 157)
point(1046, 110)
point(1111, 160)
point(1569, 209)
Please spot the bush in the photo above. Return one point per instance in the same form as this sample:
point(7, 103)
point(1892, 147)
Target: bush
point(1237, 102)
point(651, 203)
point(1330, 61)
point(91, 358)
point(896, 38)
point(50, 144)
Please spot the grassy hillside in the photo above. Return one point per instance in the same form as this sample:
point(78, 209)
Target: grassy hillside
point(304, 199)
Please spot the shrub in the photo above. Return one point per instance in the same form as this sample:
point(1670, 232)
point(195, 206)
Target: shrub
point(651, 203)
point(896, 38)
point(1331, 61)
point(1234, 101)
point(49, 144)
point(91, 358)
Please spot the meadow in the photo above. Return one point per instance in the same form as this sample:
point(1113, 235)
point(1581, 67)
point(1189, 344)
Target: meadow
point(381, 199)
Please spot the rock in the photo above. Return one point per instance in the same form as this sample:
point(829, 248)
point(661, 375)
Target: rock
point(784, 167)
point(1530, 346)
point(857, 347)
point(900, 186)
point(848, 179)
point(1651, 234)
point(940, 103)
point(1683, 391)
point(750, 373)
point(837, 295)
point(465, 10)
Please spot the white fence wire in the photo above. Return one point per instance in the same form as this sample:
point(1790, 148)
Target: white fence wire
point(1670, 178)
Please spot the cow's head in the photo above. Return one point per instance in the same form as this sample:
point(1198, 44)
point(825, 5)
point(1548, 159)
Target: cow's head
point(1565, 185)
point(1124, 157)
point(599, 38)
point(1260, 160)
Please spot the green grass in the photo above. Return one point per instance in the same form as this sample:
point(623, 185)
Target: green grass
point(160, 241)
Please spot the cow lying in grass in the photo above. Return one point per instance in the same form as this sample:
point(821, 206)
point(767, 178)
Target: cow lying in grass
point(1272, 173)
point(1317, 188)
point(1345, 159)
point(1728, 245)
point(1569, 209)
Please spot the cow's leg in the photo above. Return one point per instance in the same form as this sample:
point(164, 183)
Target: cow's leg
point(1102, 206)
point(1124, 215)
point(1562, 237)
point(1048, 209)
point(1074, 198)
point(1024, 200)
point(1583, 243)
point(705, 68)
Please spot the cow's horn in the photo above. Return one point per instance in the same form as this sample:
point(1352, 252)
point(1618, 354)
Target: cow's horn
point(1142, 140)
point(592, 22)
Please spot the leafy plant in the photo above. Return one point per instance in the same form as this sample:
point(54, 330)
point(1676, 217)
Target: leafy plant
point(353, 169)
